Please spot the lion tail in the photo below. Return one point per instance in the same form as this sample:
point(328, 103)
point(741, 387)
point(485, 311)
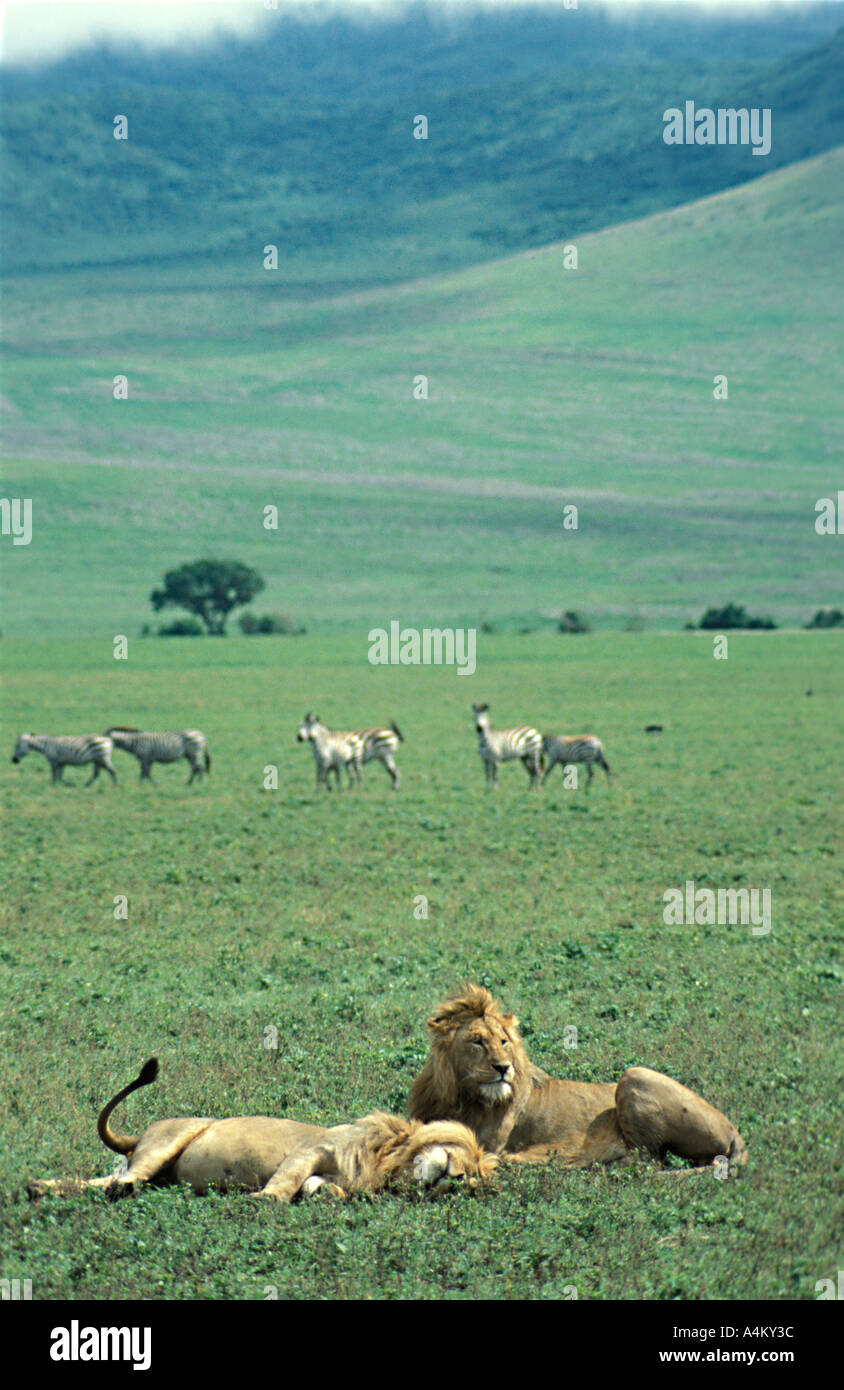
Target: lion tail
point(122, 1143)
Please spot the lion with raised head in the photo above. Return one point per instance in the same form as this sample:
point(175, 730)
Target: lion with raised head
point(278, 1158)
point(479, 1073)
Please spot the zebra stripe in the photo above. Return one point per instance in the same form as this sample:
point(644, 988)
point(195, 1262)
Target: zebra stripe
point(379, 743)
point(151, 748)
point(334, 749)
point(577, 748)
point(62, 752)
point(503, 745)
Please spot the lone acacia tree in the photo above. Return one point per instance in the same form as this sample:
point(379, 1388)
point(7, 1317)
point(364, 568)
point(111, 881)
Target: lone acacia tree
point(210, 589)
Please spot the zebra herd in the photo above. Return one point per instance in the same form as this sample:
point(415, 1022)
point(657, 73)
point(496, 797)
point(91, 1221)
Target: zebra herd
point(539, 752)
point(97, 749)
point(333, 750)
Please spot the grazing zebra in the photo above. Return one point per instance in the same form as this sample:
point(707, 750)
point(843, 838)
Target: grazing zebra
point(334, 750)
point(579, 748)
point(63, 752)
point(503, 745)
point(163, 748)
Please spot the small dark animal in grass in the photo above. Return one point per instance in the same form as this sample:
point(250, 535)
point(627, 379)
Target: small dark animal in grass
point(653, 728)
point(278, 1158)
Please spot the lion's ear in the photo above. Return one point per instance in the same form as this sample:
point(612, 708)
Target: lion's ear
point(439, 1023)
point(510, 1021)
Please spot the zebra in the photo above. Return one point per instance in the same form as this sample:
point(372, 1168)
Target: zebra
point(578, 748)
point(503, 745)
point(380, 743)
point(334, 750)
point(151, 748)
point(69, 751)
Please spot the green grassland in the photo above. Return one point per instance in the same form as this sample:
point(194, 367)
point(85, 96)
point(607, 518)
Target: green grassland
point(251, 909)
point(546, 387)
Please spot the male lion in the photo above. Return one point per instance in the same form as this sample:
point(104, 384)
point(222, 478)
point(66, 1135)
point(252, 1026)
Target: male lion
point(479, 1072)
point(281, 1158)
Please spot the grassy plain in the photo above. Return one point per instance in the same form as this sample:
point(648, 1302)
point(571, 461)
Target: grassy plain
point(253, 909)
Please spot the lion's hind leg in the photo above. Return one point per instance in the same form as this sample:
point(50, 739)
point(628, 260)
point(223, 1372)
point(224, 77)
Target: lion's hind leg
point(660, 1116)
point(158, 1148)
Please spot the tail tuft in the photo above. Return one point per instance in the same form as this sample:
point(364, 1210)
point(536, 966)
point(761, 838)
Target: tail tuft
point(396, 730)
point(207, 761)
point(148, 1072)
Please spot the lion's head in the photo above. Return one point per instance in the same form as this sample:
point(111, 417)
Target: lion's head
point(477, 1070)
point(386, 1147)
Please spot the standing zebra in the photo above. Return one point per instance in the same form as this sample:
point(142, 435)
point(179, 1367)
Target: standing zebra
point(334, 750)
point(503, 745)
point(578, 748)
point(73, 752)
point(163, 748)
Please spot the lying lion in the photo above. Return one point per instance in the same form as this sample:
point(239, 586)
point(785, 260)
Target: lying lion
point(479, 1072)
point(281, 1158)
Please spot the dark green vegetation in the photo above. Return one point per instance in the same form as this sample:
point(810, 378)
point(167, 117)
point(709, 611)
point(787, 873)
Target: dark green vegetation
point(735, 615)
point(209, 589)
point(251, 910)
point(547, 387)
point(541, 125)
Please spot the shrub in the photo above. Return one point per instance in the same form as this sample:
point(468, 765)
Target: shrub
point(574, 622)
point(827, 617)
point(182, 627)
point(270, 623)
point(733, 615)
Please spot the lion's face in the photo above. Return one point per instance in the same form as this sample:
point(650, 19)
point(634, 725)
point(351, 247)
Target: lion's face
point(483, 1052)
point(477, 1070)
point(445, 1151)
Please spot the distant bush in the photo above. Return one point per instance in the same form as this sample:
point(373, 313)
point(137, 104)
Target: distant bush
point(827, 617)
point(635, 624)
point(182, 627)
point(270, 623)
point(733, 615)
point(574, 622)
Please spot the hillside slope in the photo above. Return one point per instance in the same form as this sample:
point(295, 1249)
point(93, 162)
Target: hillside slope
point(517, 155)
point(546, 386)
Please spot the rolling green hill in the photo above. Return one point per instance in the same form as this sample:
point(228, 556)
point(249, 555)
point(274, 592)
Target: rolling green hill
point(546, 386)
point(548, 143)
